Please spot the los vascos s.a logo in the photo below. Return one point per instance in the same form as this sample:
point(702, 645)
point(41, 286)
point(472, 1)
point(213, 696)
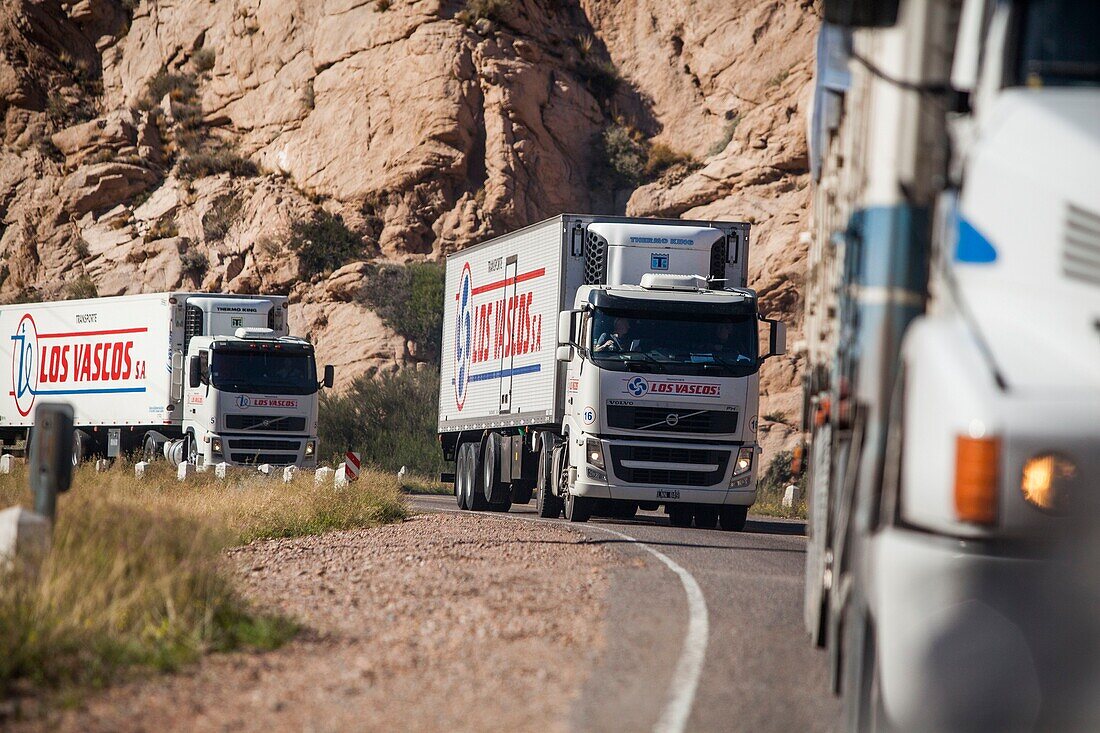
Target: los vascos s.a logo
point(243, 402)
point(637, 386)
point(464, 336)
point(24, 374)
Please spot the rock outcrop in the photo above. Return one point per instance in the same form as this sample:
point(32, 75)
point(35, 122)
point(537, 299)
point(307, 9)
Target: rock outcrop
point(156, 145)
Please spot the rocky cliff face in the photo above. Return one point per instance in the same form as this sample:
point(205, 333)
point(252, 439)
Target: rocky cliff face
point(176, 143)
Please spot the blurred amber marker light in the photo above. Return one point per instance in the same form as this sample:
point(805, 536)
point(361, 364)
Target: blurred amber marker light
point(976, 462)
point(1041, 477)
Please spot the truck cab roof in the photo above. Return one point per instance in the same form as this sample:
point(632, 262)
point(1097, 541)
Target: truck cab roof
point(636, 296)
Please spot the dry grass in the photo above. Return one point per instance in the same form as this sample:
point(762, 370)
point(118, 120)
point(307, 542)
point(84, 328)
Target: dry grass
point(137, 578)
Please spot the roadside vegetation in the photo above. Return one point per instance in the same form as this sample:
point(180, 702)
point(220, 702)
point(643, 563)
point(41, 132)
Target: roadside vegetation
point(389, 417)
point(409, 299)
point(137, 578)
point(771, 486)
point(623, 159)
point(324, 243)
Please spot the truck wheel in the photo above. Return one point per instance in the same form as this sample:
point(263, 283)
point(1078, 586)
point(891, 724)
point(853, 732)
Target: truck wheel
point(679, 515)
point(149, 449)
point(80, 447)
point(501, 507)
point(461, 481)
point(577, 508)
point(549, 506)
point(706, 516)
point(732, 518)
point(496, 492)
point(475, 500)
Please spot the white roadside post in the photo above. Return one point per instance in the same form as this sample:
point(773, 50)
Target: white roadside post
point(24, 534)
point(289, 473)
point(340, 480)
point(184, 471)
point(265, 468)
point(221, 470)
point(139, 469)
point(101, 465)
point(791, 496)
point(322, 476)
point(7, 462)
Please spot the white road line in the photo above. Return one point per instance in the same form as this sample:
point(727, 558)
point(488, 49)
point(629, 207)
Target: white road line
point(689, 668)
point(685, 678)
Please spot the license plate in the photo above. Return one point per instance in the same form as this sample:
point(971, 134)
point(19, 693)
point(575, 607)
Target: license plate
point(672, 494)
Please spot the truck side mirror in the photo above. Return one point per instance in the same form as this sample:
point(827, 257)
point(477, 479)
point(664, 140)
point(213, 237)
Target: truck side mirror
point(330, 376)
point(194, 371)
point(566, 334)
point(777, 337)
point(564, 353)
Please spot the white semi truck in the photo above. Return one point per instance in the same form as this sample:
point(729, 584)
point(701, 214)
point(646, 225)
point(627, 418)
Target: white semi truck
point(195, 377)
point(606, 364)
point(953, 383)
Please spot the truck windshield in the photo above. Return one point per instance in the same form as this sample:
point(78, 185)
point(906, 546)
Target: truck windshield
point(674, 343)
point(266, 372)
point(1058, 43)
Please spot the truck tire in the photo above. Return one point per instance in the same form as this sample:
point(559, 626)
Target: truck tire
point(577, 508)
point(549, 506)
point(679, 515)
point(706, 516)
point(475, 500)
point(149, 450)
point(732, 518)
point(496, 491)
point(462, 461)
point(80, 447)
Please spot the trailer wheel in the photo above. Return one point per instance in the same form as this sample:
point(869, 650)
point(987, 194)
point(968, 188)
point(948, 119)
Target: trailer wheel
point(475, 499)
point(80, 447)
point(679, 515)
point(149, 449)
point(462, 482)
point(706, 516)
point(732, 518)
point(549, 506)
point(496, 491)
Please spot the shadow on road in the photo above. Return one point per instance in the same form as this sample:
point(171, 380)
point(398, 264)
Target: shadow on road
point(753, 526)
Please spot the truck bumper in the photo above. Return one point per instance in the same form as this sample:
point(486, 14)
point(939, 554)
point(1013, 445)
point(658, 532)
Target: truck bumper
point(665, 473)
point(971, 638)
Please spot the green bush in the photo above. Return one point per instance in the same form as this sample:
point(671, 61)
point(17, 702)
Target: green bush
point(204, 60)
point(619, 159)
point(324, 243)
point(180, 87)
point(409, 299)
point(389, 418)
point(194, 263)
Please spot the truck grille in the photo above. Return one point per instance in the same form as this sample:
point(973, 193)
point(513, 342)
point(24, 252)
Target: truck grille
point(277, 424)
point(1081, 256)
point(256, 459)
point(263, 444)
point(657, 418)
point(662, 476)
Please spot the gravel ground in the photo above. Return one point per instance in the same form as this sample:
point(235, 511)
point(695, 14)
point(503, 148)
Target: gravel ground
point(442, 622)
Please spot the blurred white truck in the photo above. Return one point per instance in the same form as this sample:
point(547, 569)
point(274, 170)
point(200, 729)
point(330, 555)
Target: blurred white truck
point(608, 364)
point(953, 377)
point(195, 377)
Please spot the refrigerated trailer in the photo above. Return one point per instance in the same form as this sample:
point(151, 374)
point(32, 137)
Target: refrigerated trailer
point(602, 364)
point(197, 377)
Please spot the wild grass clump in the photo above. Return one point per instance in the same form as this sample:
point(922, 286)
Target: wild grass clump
point(82, 287)
point(771, 486)
point(137, 578)
point(194, 262)
point(391, 418)
point(223, 213)
point(623, 159)
point(596, 69)
point(324, 243)
point(476, 10)
point(409, 299)
point(203, 163)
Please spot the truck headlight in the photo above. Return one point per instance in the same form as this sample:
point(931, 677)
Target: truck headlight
point(744, 460)
point(216, 445)
point(311, 448)
point(1045, 480)
point(594, 452)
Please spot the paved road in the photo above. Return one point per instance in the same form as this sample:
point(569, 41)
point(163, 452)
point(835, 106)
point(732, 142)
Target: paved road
point(704, 630)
